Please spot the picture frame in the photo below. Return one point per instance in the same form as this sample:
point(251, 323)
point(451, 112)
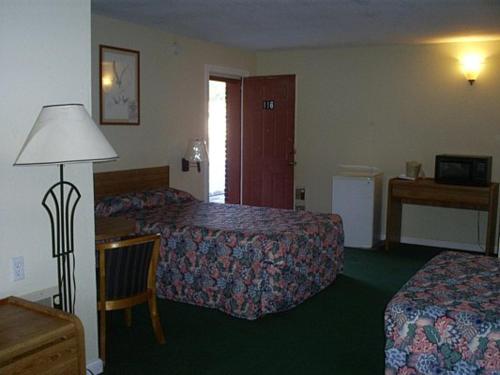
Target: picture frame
point(119, 86)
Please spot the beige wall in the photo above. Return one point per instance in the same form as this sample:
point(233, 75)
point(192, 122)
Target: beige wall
point(384, 105)
point(44, 59)
point(172, 96)
point(376, 106)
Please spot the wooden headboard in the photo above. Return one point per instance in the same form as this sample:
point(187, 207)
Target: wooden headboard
point(129, 181)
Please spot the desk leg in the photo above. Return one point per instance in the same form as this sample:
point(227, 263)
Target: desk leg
point(492, 221)
point(393, 224)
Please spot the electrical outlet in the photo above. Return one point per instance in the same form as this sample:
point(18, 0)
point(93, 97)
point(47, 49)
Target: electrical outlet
point(17, 268)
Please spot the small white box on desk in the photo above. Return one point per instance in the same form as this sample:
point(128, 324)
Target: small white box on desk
point(357, 198)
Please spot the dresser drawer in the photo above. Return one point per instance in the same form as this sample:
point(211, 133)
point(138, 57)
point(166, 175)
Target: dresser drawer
point(56, 358)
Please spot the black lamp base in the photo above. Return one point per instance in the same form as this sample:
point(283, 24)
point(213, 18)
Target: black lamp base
point(60, 202)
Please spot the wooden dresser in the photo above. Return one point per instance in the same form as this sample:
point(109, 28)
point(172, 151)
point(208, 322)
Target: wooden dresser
point(39, 340)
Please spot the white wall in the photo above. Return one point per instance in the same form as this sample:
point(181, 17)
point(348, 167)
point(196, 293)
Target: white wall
point(172, 96)
point(385, 105)
point(44, 59)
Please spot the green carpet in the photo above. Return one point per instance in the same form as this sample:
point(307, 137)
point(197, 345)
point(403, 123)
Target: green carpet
point(338, 331)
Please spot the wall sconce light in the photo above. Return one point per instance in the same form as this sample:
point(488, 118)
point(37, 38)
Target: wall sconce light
point(196, 153)
point(471, 66)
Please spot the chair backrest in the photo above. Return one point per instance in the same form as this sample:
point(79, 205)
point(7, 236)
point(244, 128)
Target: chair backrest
point(129, 267)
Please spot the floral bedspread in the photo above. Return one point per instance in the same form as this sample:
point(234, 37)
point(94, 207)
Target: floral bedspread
point(246, 261)
point(446, 319)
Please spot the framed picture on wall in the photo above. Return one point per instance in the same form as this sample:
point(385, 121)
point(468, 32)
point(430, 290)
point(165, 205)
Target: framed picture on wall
point(119, 86)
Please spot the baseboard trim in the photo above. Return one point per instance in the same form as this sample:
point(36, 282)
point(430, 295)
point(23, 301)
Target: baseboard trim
point(95, 367)
point(440, 243)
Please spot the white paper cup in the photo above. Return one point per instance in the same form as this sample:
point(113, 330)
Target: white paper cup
point(413, 168)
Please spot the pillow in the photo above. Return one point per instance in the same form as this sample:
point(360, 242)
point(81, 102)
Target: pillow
point(176, 196)
point(109, 206)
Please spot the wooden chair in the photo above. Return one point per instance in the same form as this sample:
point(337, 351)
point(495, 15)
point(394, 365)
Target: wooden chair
point(127, 277)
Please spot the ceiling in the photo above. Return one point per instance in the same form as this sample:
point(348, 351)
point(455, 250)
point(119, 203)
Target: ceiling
point(283, 24)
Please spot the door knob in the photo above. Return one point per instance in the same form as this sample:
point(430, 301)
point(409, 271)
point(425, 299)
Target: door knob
point(292, 163)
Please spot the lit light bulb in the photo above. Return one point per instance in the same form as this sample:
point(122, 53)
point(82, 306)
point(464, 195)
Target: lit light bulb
point(471, 66)
point(107, 81)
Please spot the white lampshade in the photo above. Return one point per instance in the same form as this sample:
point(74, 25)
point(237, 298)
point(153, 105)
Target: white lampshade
point(196, 151)
point(65, 133)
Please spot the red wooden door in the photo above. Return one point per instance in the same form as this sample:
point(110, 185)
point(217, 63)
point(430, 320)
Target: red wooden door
point(268, 141)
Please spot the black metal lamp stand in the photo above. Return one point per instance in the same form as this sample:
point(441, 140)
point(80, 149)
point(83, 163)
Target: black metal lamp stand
point(60, 202)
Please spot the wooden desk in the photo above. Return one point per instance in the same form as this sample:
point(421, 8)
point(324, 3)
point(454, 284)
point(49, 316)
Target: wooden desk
point(113, 227)
point(39, 340)
point(429, 193)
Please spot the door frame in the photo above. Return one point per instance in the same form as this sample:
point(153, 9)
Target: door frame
point(226, 72)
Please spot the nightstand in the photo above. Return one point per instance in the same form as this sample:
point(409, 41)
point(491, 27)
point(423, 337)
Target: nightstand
point(35, 339)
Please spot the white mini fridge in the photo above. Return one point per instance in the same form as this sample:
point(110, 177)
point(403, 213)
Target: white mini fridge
point(357, 198)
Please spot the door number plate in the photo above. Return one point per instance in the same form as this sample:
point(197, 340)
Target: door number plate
point(268, 105)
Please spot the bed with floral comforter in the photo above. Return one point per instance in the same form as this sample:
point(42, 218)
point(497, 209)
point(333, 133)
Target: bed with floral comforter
point(246, 261)
point(446, 319)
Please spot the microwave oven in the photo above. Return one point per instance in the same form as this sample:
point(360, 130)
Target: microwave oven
point(463, 170)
